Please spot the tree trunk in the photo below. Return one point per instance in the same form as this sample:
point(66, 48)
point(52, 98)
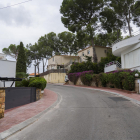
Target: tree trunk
point(129, 28)
point(128, 21)
point(94, 51)
point(118, 33)
point(43, 66)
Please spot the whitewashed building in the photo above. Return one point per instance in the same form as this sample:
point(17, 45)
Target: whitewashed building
point(7, 69)
point(129, 51)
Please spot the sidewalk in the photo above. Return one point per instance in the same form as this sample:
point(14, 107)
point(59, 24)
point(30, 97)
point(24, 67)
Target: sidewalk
point(118, 91)
point(17, 115)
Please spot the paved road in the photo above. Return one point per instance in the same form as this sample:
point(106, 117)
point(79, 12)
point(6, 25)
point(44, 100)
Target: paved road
point(85, 114)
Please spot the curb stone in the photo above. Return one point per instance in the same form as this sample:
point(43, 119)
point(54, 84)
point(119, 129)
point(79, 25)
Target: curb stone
point(19, 127)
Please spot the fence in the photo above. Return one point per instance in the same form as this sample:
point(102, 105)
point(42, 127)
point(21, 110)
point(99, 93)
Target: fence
point(19, 96)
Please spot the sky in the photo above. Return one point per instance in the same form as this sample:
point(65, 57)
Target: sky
point(27, 22)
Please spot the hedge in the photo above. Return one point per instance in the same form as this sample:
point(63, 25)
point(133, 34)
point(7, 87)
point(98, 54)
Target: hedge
point(37, 82)
point(122, 79)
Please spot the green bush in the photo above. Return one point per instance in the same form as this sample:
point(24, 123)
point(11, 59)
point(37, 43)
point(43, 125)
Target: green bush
point(103, 78)
point(95, 78)
point(86, 79)
point(84, 66)
point(37, 82)
point(25, 83)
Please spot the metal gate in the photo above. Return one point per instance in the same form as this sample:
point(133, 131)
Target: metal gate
point(18, 96)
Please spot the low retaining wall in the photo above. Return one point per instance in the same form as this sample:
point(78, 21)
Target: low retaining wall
point(39, 94)
point(98, 84)
point(2, 103)
point(14, 97)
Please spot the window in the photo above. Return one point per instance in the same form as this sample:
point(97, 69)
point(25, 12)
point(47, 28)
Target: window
point(88, 51)
point(105, 51)
point(83, 54)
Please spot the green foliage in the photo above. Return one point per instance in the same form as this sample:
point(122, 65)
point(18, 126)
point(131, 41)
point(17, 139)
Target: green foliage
point(84, 66)
point(21, 75)
point(96, 79)
point(104, 60)
point(103, 78)
point(86, 79)
point(12, 51)
point(21, 60)
point(106, 39)
point(82, 15)
point(88, 58)
point(67, 43)
point(37, 82)
point(25, 83)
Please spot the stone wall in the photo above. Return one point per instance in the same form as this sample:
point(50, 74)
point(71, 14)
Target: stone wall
point(2, 103)
point(137, 83)
point(38, 94)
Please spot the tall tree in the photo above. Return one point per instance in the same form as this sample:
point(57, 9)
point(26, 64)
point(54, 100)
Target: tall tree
point(21, 60)
point(136, 13)
point(45, 52)
point(107, 39)
point(12, 51)
point(79, 14)
point(124, 10)
point(67, 43)
point(111, 22)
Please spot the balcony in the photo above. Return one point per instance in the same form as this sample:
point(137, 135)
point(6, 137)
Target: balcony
point(112, 66)
point(121, 45)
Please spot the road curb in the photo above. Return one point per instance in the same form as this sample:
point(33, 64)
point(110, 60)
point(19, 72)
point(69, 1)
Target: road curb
point(132, 100)
point(19, 127)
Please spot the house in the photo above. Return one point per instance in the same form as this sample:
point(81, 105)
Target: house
point(7, 69)
point(61, 61)
point(57, 68)
point(129, 51)
point(100, 52)
point(32, 75)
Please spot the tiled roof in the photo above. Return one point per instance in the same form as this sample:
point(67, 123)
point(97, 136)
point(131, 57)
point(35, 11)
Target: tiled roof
point(32, 74)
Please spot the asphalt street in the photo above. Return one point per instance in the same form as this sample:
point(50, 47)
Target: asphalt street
point(85, 114)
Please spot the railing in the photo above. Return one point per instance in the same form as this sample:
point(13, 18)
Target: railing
point(70, 62)
point(113, 63)
point(54, 71)
point(133, 34)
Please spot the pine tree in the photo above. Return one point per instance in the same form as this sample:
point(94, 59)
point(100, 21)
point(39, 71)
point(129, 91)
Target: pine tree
point(21, 60)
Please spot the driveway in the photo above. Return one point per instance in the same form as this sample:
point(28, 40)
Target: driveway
point(85, 114)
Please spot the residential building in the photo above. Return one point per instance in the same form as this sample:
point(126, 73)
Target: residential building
point(129, 51)
point(100, 52)
point(61, 61)
point(7, 69)
point(32, 75)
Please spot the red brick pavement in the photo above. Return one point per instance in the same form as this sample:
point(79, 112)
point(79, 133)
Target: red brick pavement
point(119, 91)
point(19, 114)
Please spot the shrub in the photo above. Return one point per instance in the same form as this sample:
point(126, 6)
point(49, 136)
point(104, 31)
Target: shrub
point(86, 79)
point(25, 83)
point(95, 78)
point(37, 82)
point(103, 78)
point(73, 77)
point(84, 66)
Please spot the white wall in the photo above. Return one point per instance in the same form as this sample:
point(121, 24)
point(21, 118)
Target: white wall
point(7, 69)
point(131, 57)
point(110, 68)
